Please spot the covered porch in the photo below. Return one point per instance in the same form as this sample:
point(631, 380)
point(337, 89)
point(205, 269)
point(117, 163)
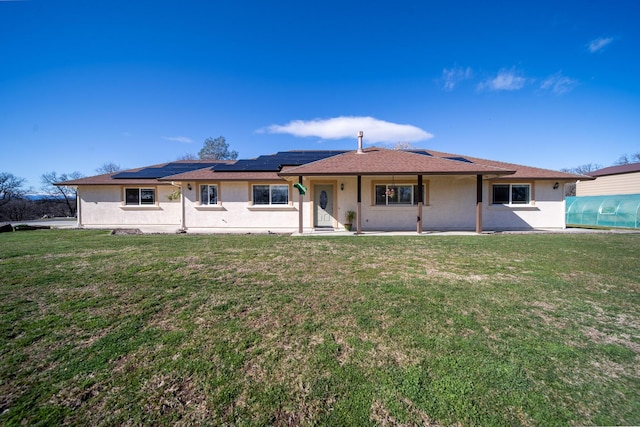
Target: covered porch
point(391, 190)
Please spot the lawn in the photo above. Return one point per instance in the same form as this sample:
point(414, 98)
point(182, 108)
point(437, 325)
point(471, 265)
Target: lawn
point(275, 330)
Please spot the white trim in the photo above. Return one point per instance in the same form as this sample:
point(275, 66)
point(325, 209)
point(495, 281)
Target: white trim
point(140, 208)
point(286, 207)
point(209, 208)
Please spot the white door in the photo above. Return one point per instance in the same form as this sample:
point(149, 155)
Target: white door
point(323, 202)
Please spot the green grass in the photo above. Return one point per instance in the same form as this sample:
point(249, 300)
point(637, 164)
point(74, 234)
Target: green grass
point(274, 330)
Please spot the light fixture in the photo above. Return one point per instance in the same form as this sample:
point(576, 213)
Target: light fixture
point(556, 185)
point(342, 186)
point(189, 186)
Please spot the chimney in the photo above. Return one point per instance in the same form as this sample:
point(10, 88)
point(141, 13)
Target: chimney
point(360, 135)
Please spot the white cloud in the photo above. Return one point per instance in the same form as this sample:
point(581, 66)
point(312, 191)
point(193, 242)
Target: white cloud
point(375, 131)
point(504, 80)
point(182, 139)
point(558, 84)
point(452, 76)
point(598, 44)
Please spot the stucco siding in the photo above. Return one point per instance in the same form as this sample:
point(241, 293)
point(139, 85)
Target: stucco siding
point(450, 205)
point(103, 207)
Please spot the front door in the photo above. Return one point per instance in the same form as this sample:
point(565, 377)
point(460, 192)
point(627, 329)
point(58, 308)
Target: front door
point(323, 202)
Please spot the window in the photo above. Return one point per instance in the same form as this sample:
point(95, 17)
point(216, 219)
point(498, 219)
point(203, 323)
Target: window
point(270, 194)
point(140, 196)
point(397, 194)
point(511, 194)
point(208, 194)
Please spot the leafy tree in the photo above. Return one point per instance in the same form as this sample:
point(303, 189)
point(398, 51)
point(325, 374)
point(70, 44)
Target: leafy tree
point(68, 194)
point(217, 149)
point(10, 187)
point(108, 167)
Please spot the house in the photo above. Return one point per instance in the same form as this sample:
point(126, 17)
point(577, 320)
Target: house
point(306, 191)
point(614, 180)
point(612, 199)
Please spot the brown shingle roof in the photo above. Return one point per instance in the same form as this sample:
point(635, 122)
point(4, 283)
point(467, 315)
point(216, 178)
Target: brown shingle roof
point(380, 161)
point(522, 172)
point(617, 170)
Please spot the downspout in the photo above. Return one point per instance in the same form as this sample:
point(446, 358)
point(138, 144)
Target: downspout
point(420, 202)
point(78, 209)
point(359, 207)
point(182, 209)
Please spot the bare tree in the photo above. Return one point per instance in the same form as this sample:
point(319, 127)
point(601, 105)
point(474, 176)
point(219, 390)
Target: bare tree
point(10, 187)
point(188, 156)
point(626, 159)
point(217, 149)
point(583, 169)
point(108, 167)
point(68, 194)
point(570, 189)
point(402, 146)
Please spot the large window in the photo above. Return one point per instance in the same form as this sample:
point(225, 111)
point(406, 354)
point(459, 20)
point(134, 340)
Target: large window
point(270, 194)
point(511, 194)
point(209, 194)
point(397, 194)
point(140, 196)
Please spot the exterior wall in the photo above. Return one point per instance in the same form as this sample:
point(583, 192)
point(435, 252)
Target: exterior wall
point(627, 183)
point(450, 204)
point(102, 206)
point(234, 210)
point(546, 211)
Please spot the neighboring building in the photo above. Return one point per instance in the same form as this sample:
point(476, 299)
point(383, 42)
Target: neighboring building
point(614, 180)
point(389, 189)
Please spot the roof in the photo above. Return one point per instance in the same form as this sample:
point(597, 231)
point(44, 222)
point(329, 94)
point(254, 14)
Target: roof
point(522, 171)
point(617, 170)
point(373, 161)
point(381, 161)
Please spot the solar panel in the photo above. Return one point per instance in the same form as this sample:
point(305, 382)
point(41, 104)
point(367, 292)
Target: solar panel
point(423, 152)
point(458, 159)
point(274, 162)
point(162, 171)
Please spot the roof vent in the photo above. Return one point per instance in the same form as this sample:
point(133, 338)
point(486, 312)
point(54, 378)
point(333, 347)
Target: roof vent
point(360, 135)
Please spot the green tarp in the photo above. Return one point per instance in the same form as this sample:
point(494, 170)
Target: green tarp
point(605, 211)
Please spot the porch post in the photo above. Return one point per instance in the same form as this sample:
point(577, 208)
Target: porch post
point(78, 208)
point(182, 209)
point(359, 210)
point(300, 201)
point(478, 204)
point(419, 230)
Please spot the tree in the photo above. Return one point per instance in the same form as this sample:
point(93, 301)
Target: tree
point(68, 194)
point(626, 159)
point(570, 189)
point(188, 156)
point(216, 149)
point(10, 187)
point(108, 167)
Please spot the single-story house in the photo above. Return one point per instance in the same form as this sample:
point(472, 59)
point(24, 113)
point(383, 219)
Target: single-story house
point(305, 191)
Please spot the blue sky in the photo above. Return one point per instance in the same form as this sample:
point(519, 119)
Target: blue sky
point(552, 84)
